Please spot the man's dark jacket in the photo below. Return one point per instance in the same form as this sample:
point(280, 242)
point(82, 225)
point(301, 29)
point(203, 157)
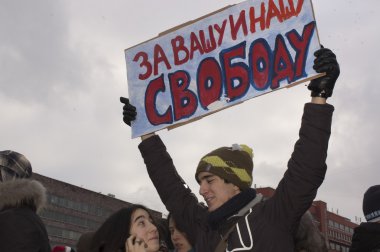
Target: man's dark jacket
point(271, 224)
point(366, 238)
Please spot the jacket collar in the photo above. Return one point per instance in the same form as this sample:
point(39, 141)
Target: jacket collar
point(231, 207)
point(14, 192)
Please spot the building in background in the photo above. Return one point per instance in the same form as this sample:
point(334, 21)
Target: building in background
point(336, 229)
point(72, 210)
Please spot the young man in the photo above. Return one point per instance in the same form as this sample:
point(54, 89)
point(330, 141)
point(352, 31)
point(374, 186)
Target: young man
point(367, 236)
point(21, 229)
point(236, 219)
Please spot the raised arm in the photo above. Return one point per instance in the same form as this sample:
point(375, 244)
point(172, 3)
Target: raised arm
point(307, 165)
point(173, 191)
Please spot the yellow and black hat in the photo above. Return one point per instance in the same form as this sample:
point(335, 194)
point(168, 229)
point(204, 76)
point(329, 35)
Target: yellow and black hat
point(233, 164)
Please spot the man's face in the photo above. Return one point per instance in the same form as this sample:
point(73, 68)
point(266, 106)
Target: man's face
point(215, 190)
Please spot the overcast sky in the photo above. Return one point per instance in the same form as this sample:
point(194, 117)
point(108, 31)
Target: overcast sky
point(62, 71)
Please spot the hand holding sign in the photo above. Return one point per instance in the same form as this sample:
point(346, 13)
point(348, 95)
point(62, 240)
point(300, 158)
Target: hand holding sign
point(325, 62)
point(129, 111)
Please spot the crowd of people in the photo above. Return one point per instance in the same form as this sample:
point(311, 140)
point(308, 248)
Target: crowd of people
point(235, 217)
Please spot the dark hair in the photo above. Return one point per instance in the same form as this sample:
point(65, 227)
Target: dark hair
point(112, 234)
point(170, 216)
point(163, 229)
point(227, 181)
point(84, 242)
point(180, 227)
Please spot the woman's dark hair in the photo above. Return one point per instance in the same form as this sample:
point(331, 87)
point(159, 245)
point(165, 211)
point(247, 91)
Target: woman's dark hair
point(112, 234)
point(163, 230)
point(180, 227)
point(84, 242)
point(170, 216)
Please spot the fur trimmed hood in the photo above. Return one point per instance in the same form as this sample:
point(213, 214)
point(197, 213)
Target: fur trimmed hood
point(13, 193)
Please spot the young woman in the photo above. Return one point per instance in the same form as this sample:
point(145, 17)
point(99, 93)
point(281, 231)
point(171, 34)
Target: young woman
point(130, 229)
point(178, 237)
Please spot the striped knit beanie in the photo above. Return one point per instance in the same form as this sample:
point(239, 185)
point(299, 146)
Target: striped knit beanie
point(233, 164)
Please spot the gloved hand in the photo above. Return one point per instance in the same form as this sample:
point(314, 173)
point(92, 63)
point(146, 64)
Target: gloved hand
point(129, 111)
point(325, 62)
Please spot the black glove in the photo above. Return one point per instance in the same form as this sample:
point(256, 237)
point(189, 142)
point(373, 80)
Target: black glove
point(325, 62)
point(129, 111)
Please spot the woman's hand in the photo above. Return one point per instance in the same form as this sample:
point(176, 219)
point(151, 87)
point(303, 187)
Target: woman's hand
point(134, 244)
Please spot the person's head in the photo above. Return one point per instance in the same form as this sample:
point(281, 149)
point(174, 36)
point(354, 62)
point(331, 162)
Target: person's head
point(224, 173)
point(14, 165)
point(84, 242)
point(17, 189)
point(113, 233)
point(143, 227)
point(371, 204)
point(178, 237)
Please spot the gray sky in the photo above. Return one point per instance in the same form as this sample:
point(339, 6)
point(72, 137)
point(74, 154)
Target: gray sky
point(63, 71)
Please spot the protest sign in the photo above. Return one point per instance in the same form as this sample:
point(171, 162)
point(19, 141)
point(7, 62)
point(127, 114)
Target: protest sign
point(220, 60)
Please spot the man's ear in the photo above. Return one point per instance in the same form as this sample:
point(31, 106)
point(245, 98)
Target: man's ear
point(237, 189)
